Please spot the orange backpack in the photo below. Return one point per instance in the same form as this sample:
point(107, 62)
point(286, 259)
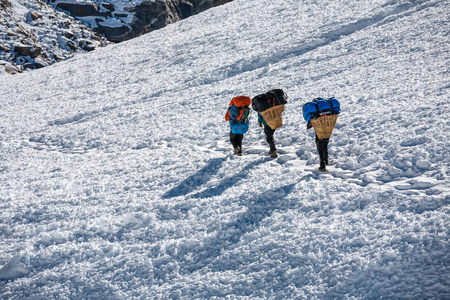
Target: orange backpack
point(239, 101)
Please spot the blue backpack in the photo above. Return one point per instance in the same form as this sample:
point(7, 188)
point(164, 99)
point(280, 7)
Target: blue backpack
point(319, 107)
point(239, 119)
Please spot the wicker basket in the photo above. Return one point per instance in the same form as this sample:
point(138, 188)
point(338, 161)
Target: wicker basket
point(273, 116)
point(324, 126)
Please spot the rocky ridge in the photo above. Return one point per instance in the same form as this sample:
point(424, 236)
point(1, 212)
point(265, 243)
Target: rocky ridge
point(37, 33)
point(120, 20)
point(34, 35)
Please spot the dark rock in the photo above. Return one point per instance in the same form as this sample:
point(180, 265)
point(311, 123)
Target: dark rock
point(58, 58)
point(35, 51)
point(221, 2)
point(29, 66)
point(116, 34)
point(22, 49)
point(72, 45)
point(153, 15)
point(120, 15)
point(86, 45)
point(69, 34)
point(35, 15)
point(27, 50)
point(81, 10)
point(11, 69)
point(39, 63)
point(108, 6)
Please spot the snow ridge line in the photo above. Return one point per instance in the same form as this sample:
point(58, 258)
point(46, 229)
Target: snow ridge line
point(80, 116)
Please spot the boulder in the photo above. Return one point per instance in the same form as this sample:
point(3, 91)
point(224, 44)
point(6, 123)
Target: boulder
point(69, 34)
point(72, 45)
point(67, 44)
point(10, 69)
point(108, 6)
point(39, 63)
point(35, 15)
point(116, 34)
point(86, 45)
point(22, 49)
point(82, 10)
point(27, 50)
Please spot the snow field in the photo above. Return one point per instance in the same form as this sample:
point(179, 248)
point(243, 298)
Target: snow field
point(117, 179)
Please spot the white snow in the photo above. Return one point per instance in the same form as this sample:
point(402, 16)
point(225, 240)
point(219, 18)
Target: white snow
point(117, 180)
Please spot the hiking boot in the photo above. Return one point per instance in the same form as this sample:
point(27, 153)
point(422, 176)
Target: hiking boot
point(238, 151)
point(273, 154)
point(322, 166)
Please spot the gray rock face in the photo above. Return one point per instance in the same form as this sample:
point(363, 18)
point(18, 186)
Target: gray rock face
point(27, 50)
point(132, 20)
point(152, 15)
point(34, 34)
point(81, 10)
point(37, 33)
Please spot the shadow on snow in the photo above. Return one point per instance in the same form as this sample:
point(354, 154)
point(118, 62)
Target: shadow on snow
point(230, 234)
point(229, 181)
point(195, 181)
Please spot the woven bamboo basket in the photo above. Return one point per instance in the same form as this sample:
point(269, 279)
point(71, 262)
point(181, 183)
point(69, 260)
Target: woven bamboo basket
point(324, 126)
point(273, 116)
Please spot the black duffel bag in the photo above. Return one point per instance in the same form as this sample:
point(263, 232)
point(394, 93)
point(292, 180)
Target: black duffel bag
point(269, 99)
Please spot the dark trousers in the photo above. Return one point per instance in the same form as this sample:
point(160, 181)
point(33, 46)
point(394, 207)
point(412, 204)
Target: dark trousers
point(236, 139)
point(322, 148)
point(269, 137)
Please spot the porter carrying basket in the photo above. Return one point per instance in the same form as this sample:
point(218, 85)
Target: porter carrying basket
point(324, 126)
point(273, 116)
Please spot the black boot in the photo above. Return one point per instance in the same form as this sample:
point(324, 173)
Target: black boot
point(238, 151)
point(322, 166)
point(273, 153)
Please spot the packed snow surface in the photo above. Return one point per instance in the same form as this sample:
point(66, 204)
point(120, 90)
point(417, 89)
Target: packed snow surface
point(117, 179)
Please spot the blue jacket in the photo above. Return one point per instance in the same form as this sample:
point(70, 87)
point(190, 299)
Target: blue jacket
point(237, 127)
point(261, 119)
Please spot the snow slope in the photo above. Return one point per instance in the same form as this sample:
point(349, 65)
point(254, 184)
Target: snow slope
point(117, 180)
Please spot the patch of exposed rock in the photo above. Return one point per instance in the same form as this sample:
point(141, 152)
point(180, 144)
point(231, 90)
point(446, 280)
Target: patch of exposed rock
point(120, 20)
point(34, 35)
point(38, 33)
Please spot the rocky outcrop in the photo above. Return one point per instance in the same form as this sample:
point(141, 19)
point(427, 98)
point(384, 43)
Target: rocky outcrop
point(130, 19)
point(38, 33)
point(27, 50)
point(152, 15)
point(34, 35)
point(82, 10)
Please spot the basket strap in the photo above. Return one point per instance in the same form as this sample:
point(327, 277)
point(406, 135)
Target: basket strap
point(331, 106)
point(318, 110)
